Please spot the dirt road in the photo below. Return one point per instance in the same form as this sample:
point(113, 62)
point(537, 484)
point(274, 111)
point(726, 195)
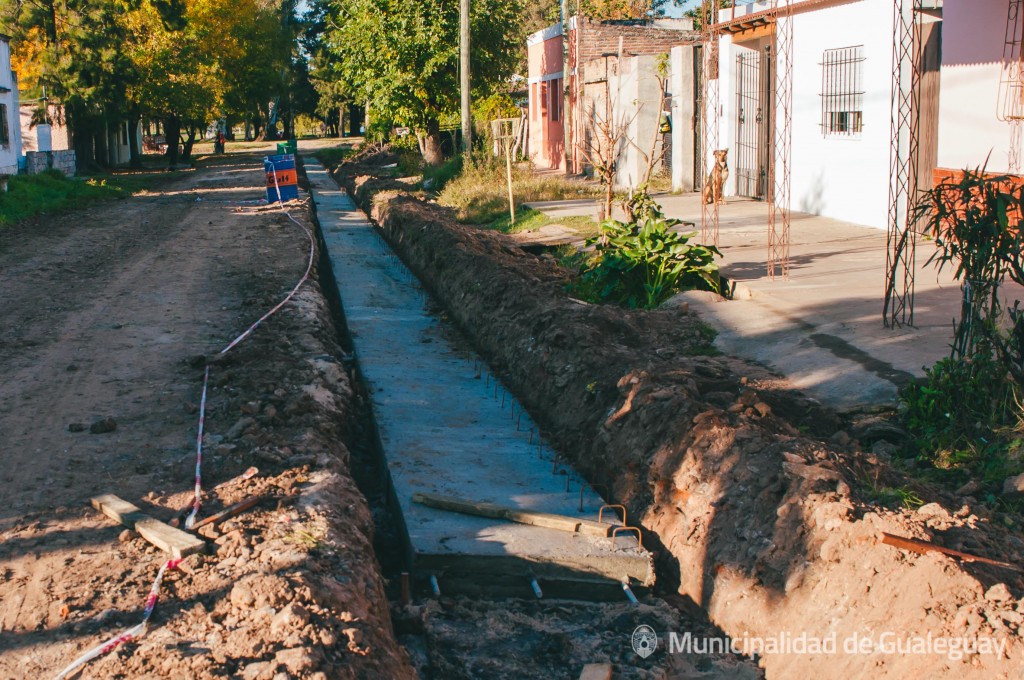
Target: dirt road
point(103, 314)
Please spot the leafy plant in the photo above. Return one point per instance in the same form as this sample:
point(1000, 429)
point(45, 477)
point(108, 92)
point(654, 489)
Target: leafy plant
point(976, 223)
point(967, 414)
point(642, 263)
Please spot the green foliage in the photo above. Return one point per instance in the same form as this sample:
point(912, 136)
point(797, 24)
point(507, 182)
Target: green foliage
point(437, 177)
point(497, 105)
point(402, 57)
point(52, 193)
point(602, 10)
point(182, 61)
point(334, 155)
point(966, 414)
point(976, 222)
point(890, 496)
point(697, 13)
point(643, 263)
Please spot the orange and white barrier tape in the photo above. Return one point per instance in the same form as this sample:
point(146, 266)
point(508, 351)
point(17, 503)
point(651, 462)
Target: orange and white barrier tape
point(132, 633)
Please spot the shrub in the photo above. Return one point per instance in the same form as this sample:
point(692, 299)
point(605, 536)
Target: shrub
point(966, 414)
point(643, 263)
point(435, 178)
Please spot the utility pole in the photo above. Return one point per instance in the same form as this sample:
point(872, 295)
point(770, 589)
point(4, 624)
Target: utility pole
point(467, 118)
point(567, 155)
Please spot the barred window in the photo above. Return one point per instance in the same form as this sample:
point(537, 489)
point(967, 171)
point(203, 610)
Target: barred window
point(842, 92)
point(5, 134)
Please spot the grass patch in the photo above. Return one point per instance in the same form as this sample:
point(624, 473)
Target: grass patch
point(479, 195)
point(528, 219)
point(891, 496)
point(51, 193)
point(333, 155)
point(436, 178)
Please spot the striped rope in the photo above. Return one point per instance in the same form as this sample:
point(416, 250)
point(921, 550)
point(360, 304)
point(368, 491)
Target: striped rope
point(191, 519)
point(133, 633)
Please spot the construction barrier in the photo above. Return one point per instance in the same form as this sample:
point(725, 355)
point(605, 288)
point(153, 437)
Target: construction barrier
point(282, 179)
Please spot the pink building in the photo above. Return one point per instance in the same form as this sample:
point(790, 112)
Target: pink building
point(547, 130)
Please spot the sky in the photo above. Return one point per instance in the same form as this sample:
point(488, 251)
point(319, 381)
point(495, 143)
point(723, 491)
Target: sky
point(674, 10)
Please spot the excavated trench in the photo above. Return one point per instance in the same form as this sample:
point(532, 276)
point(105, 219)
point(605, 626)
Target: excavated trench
point(481, 628)
point(752, 496)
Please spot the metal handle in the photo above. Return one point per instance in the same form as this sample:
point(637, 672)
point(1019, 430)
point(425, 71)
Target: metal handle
point(639, 538)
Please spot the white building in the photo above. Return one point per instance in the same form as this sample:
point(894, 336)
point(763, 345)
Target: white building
point(842, 83)
point(10, 130)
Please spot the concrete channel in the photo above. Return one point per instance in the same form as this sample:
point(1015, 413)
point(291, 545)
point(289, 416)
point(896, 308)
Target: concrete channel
point(448, 428)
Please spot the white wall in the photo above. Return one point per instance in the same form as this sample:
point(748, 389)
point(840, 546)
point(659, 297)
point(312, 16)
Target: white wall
point(846, 178)
point(681, 88)
point(637, 98)
point(972, 50)
point(10, 152)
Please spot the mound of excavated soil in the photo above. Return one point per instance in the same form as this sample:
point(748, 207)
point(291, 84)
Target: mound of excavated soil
point(758, 503)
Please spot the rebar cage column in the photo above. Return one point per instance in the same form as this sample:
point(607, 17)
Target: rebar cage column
point(779, 173)
point(709, 113)
point(901, 238)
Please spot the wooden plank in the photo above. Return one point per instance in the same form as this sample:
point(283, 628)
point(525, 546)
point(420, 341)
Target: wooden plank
point(540, 519)
point(163, 536)
point(597, 671)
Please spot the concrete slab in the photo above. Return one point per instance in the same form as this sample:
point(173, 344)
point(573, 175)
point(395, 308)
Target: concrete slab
point(443, 431)
point(822, 328)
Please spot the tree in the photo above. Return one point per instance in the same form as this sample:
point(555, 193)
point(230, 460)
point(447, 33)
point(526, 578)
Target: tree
point(602, 10)
point(402, 57)
point(74, 49)
point(175, 69)
point(186, 62)
point(700, 13)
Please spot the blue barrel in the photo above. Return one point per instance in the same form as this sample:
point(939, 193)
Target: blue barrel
point(282, 178)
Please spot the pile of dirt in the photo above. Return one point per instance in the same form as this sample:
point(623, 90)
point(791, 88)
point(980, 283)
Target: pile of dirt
point(758, 501)
point(137, 297)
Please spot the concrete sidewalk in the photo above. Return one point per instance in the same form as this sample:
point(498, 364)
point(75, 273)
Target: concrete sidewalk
point(822, 328)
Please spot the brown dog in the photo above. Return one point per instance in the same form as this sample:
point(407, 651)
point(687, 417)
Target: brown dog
point(716, 178)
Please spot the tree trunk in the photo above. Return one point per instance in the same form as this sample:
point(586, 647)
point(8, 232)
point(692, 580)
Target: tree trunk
point(189, 143)
point(101, 139)
point(606, 209)
point(258, 132)
point(172, 133)
point(432, 154)
point(134, 153)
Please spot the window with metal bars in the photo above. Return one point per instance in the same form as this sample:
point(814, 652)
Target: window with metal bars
point(5, 134)
point(842, 92)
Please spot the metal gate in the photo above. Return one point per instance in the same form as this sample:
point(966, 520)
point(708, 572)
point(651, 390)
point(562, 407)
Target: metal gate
point(753, 97)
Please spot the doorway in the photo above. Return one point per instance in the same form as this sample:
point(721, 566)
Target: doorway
point(753, 108)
